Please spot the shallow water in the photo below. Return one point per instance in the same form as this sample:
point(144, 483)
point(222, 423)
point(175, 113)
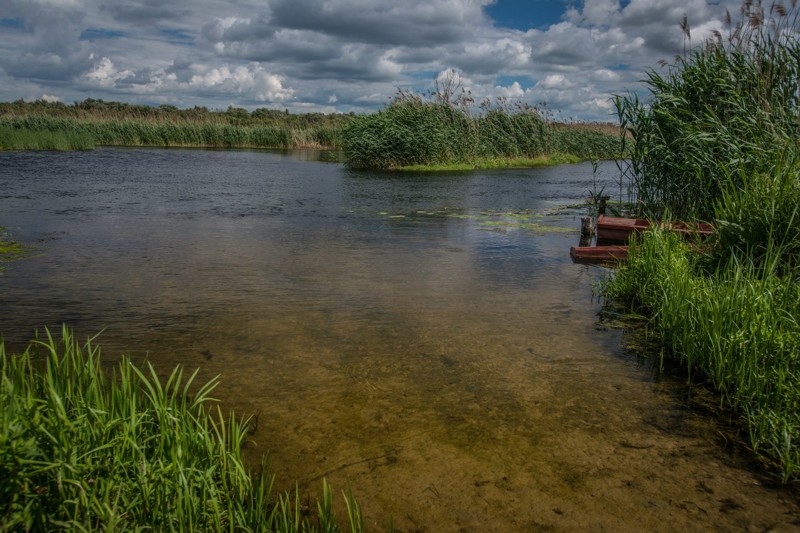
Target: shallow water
point(424, 338)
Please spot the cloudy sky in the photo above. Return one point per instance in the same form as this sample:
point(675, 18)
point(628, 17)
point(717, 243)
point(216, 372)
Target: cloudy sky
point(340, 55)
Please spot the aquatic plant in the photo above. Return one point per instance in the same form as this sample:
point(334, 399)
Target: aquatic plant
point(737, 326)
point(96, 122)
point(445, 131)
point(719, 141)
point(31, 139)
point(83, 449)
point(723, 110)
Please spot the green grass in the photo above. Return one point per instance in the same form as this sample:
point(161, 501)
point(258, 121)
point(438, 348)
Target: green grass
point(12, 139)
point(416, 133)
point(726, 109)
point(86, 448)
point(719, 142)
point(737, 326)
point(520, 162)
point(95, 122)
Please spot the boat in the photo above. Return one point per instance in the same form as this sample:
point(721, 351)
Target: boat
point(618, 229)
point(592, 255)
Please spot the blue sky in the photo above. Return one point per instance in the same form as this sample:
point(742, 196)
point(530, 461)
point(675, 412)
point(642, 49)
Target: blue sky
point(526, 14)
point(340, 55)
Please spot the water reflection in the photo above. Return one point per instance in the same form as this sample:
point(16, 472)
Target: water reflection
point(424, 337)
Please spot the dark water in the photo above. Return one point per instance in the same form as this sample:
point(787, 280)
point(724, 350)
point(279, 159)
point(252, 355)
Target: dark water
point(423, 337)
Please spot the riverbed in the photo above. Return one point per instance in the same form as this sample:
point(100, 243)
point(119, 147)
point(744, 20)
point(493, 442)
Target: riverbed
point(421, 338)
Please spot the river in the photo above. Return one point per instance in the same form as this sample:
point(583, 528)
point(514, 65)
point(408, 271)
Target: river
point(423, 338)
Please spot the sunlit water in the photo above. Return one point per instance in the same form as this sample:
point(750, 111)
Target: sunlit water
point(423, 338)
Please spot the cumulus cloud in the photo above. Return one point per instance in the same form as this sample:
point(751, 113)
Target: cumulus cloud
point(345, 55)
point(105, 74)
point(250, 80)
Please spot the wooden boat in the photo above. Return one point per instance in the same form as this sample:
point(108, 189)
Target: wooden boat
point(598, 254)
point(617, 229)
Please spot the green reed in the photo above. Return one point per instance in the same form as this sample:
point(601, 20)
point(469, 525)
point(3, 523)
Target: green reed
point(738, 325)
point(441, 131)
point(32, 139)
point(719, 142)
point(87, 448)
point(117, 124)
point(730, 103)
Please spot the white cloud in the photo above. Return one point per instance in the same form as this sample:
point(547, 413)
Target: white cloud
point(342, 54)
point(50, 98)
point(555, 81)
point(105, 74)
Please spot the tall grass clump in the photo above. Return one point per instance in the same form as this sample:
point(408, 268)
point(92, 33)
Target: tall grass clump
point(719, 142)
point(729, 104)
point(446, 129)
point(737, 327)
point(82, 449)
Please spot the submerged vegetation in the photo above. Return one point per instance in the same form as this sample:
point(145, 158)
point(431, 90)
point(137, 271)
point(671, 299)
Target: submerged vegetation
point(442, 131)
point(9, 249)
point(719, 142)
point(53, 125)
point(81, 449)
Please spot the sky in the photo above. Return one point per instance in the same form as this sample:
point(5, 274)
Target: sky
point(342, 55)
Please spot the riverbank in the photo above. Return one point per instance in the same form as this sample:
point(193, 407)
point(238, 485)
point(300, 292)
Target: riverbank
point(84, 125)
point(82, 450)
point(495, 164)
point(719, 143)
point(409, 135)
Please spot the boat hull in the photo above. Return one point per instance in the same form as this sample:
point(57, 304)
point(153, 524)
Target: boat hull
point(593, 255)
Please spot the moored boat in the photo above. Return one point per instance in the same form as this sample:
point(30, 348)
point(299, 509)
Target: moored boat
point(598, 254)
point(618, 229)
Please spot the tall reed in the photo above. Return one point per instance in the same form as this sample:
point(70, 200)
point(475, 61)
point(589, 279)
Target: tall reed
point(83, 450)
point(441, 130)
point(719, 142)
point(730, 104)
point(118, 124)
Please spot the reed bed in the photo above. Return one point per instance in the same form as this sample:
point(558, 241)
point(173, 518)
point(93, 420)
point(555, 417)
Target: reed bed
point(116, 124)
point(84, 449)
point(737, 326)
point(440, 131)
point(719, 142)
point(28, 139)
point(724, 109)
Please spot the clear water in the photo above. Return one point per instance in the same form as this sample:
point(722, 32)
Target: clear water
point(424, 338)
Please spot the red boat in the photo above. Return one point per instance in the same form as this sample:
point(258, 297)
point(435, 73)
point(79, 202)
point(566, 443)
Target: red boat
point(620, 229)
point(598, 254)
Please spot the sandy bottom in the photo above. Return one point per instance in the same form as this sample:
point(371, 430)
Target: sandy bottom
point(444, 419)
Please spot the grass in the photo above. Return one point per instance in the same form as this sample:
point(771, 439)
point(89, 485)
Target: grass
point(726, 109)
point(719, 142)
point(30, 139)
point(737, 326)
point(86, 449)
point(446, 132)
point(94, 122)
point(520, 162)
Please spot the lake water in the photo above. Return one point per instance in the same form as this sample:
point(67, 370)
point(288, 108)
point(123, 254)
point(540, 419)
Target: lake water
point(423, 338)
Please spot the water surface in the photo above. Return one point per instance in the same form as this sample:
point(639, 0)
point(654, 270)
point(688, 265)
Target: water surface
point(424, 338)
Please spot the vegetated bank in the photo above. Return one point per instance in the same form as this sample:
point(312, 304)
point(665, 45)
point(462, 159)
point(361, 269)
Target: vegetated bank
point(444, 131)
point(719, 142)
point(84, 125)
point(83, 448)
